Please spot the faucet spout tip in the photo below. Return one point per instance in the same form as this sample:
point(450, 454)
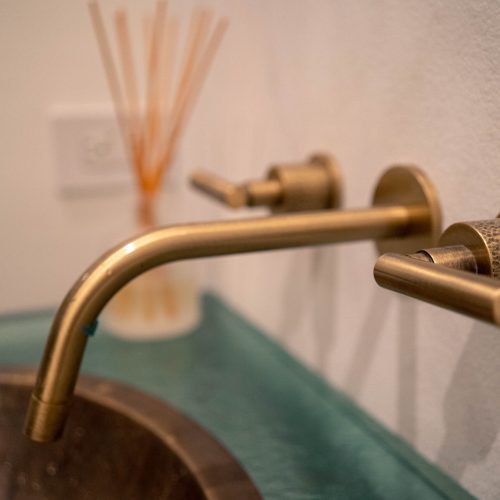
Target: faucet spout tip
point(45, 421)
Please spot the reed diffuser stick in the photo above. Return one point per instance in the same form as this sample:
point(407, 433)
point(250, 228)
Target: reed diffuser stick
point(152, 98)
point(187, 104)
point(111, 73)
point(165, 83)
point(151, 137)
point(131, 89)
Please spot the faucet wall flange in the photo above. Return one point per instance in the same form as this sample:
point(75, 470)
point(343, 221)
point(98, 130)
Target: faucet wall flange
point(408, 185)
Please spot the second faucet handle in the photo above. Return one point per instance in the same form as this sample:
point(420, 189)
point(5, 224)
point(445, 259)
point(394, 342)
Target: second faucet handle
point(295, 187)
point(463, 274)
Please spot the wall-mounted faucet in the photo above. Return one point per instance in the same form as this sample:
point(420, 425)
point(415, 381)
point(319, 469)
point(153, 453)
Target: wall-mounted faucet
point(463, 274)
point(405, 216)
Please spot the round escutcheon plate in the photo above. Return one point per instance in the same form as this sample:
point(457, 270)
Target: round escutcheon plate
point(409, 186)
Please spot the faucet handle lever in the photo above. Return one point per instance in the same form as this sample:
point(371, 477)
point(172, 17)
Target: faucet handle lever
point(463, 274)
point(311, 185)
point(221, 189)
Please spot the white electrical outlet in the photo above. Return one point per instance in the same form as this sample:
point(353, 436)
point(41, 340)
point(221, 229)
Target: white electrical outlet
point(89, 150)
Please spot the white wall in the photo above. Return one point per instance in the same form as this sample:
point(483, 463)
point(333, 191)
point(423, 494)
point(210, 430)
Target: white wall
point(372, 82)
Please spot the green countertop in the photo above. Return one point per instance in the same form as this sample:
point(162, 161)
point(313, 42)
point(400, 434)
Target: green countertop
point(297, 437)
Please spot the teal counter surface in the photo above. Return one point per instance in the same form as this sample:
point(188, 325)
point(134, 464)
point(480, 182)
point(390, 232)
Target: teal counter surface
point(297, 437)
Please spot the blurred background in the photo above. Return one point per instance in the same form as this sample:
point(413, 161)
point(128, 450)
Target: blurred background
point(374, 84)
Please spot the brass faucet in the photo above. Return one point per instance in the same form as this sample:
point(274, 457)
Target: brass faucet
point(405, 214)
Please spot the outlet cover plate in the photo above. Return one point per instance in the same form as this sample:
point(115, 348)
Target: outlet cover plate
point(89, 150)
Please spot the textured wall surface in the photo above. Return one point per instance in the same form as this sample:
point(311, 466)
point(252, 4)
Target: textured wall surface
point(375, 83)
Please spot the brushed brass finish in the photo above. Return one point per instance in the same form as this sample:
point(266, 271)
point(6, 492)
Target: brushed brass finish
point(456, 256)
point(462, 276)
point(297, 187)
point(226, 192)
point(77, 314)
point(460, 291)
point(267, 193)
point(408, 185)
point(314, 186)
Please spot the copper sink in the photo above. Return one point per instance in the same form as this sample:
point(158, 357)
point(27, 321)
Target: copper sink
point(119, 443)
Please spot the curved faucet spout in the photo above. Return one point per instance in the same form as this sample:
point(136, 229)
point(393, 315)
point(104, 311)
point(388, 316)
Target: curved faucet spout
point(77, 314)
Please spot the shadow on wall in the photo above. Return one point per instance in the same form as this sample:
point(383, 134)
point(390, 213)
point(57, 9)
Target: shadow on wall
point(364, 352)
point(294, 304)
point(323, 287)
point(407, 370)
point(317, 277)
point(366, 344)
point(472, 403)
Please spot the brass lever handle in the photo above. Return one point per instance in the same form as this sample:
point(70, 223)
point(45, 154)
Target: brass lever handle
point(311, 185)
point(226, 192)
point(462, 275)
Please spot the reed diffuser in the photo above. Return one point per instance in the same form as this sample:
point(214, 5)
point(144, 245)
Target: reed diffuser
point(152, 109)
